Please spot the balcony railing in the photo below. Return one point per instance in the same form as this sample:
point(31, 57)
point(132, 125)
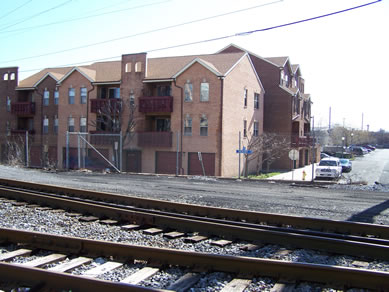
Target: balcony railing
point(23, 108)
point(102, 138)
point(22, 132)
point(106, 106)
point(155, 139)
point(154, 104)
point(302, 141)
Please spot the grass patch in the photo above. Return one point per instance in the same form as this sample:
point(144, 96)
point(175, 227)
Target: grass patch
point(264, 175)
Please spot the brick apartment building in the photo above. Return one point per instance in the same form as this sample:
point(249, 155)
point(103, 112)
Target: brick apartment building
point(208, 99)
point(287, 108)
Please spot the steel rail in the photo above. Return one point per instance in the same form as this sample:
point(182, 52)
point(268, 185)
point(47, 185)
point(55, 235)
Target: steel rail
point(337, 246)
point(223, 221)
point(332, 275)
point(17, 275)
point(343, 227)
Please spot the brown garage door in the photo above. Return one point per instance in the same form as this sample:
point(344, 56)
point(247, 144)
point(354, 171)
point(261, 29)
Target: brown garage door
point(194, 165)
point(133, 161)
point(36, 156)
point(165, 162)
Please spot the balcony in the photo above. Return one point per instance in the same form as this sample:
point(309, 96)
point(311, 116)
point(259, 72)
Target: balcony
point(23, 108)
point(103, 138)
point(155, 139)
point(156, 104)
point(106, 106)
point(22, 132)
point(298, 142)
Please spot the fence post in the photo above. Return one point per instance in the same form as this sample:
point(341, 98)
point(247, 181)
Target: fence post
point(67, 150)
point(27, 158)
point(121, 152)
point(78, 150)
point(178, 153)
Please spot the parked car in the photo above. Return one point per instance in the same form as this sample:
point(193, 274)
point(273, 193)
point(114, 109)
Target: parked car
point(329, 168)
point(346, 165)
point(358, 150)
point(324, 155)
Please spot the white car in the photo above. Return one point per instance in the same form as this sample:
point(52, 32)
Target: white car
point(329, 168)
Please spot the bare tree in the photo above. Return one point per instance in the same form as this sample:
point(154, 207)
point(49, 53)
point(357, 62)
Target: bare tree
point(266, 148)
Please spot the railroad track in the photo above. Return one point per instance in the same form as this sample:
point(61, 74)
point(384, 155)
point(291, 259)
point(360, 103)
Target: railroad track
point(65, 254)
point(353, 239)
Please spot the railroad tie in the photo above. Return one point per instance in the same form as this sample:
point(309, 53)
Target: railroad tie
point(13, 254)
point(40, 262)
point(140, 275)
point(102, 269)
point(185, 282)
point(67, 266)
point(236, 285)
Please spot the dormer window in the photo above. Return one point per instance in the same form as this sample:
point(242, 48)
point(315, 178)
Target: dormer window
point(284, 78)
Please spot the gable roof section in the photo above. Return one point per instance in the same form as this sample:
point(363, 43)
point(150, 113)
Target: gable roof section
point(34, 80)
point(88, 74)
point(171, 67)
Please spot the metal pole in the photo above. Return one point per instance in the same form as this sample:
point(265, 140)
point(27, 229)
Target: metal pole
point(178, 153)
point(313, 148)
point(27, 160)
point(67, 150)
point(78, 150)
point(239, 156)
point(121, 152)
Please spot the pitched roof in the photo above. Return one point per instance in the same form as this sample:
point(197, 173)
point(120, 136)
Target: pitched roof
point(280, 61)
point(169, 67)
point(96, 72)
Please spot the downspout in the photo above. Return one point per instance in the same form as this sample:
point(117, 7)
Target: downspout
point(87, 107)
point(221, 125)
point(182, 122)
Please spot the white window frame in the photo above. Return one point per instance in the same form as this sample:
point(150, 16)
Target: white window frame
point(83, 95)
point(46, 97)
point(246, 92)
point(204, 91)
point(56, 97)
point(83, 124)
point(188, 126)
point(188, 92)
point(203, 126)
point(256, 129)
point(71, 127)
point(256, 100)
point(45, 129)
point(72, 95)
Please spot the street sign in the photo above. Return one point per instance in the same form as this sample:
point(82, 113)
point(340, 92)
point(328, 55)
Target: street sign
point(293, 154)
point(244, 151)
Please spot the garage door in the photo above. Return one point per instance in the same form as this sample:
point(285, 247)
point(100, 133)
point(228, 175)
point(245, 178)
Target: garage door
point(194, 165)
point(36, 156)
point(133, 161)
point(165, 162)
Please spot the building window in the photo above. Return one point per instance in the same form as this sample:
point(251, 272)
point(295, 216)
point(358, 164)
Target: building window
point(7, 128)
point(132, 100)
point(245, 97)
point(83, 95)
point(71, 124)
point(114, 92)
point(188, 126)
point(256, 100)
point(128, 67)
point(8, 104)
point(204, 91)
point(12, 77)
point(203, 126)
point(45, 125)
point(56, 97)
point(46, 96)
point(83, 125)
point(256, 127)
point(245, 129)
point(72, 93)
point(188, 89)
point(138, 67)
point(55, 125)
point(5, 76)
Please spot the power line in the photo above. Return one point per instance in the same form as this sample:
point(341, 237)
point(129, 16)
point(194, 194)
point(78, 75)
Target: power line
point(38, 14)
point(84, 17)
point(143, 33)
point(17, 8)
point(232, 35)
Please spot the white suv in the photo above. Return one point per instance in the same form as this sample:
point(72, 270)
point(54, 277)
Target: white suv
point(329, 168)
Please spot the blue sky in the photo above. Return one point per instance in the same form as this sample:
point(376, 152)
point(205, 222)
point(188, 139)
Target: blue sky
point(343, 58)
